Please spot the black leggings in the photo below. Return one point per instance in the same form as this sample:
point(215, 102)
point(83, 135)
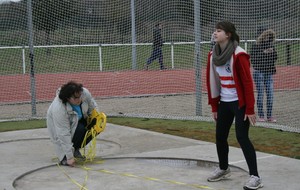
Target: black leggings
point(79, 134)
point(227, 111)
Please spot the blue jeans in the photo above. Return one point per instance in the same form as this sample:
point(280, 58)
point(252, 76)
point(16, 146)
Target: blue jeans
point(264, 81)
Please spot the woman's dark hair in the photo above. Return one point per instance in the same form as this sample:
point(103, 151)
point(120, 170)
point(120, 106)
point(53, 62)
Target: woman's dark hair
point(68, 90)
point(228, 27)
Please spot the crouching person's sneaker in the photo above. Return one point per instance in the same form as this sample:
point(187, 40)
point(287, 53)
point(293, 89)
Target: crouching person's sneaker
point(254, 182)
point(219, 174)
point(64, 162)
point(78, 155)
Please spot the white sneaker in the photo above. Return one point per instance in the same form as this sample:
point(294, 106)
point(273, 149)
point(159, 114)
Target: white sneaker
point(272, 120)
point(219, 174)
point(261, 119)
point(254, 182)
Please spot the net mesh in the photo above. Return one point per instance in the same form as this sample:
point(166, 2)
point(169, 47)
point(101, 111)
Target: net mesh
point(105, 44)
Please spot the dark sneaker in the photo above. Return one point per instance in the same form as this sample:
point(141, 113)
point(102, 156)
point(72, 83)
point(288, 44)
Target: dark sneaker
point(77, 154)
point(219, 174)
point(254, 182)
point(64, 162)
point(146, 67)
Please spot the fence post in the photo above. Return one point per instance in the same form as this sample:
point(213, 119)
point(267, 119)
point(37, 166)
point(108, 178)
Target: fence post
point(100, 57)
point(288, 53)
point(31, 56)
point(172, 54)
point(198, 70)
point(133, 35)
point(23, 60)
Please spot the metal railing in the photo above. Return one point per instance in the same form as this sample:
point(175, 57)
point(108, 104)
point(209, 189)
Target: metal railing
point(100, 46)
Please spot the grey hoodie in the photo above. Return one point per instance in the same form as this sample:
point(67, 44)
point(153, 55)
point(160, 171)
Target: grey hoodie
point(62, 122)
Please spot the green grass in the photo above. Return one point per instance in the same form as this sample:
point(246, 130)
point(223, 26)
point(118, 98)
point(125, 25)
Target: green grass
point(114, 58)
point(84, 59)
point(264, 139)
point(21, 125)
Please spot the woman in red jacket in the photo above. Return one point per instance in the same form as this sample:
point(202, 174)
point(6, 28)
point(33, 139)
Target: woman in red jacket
point(231, 96)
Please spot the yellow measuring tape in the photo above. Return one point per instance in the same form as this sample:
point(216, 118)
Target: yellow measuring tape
point(129, 175)
point(96, 123)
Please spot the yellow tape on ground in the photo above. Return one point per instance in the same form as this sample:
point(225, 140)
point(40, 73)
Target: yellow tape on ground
point(82, 187)
point(109, 172)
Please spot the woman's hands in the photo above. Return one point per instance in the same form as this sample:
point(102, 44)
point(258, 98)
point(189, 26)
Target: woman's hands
point(252, 118)
point(71, 162)
point(215, 115)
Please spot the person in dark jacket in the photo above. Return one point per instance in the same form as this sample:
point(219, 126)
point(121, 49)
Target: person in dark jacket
point(263, 58)
point(157, 47)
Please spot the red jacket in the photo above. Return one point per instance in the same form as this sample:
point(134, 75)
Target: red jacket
point(240, 65)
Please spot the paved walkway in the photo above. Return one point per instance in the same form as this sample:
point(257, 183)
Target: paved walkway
point(133, 159)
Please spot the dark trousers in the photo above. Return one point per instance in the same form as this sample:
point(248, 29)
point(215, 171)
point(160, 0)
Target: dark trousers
point(227, 111)
point(156, 54)
point(79, 134)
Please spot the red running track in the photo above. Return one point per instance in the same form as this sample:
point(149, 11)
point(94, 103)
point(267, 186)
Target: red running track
point(16, 88)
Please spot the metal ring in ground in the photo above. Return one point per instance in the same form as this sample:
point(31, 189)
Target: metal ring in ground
point(130, 173)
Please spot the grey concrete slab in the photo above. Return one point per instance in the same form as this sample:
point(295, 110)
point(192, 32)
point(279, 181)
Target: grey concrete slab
point(134, 159)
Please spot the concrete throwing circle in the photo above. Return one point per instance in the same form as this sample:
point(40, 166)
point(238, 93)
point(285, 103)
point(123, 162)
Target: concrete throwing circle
point(130, 173)
point(25, 147)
